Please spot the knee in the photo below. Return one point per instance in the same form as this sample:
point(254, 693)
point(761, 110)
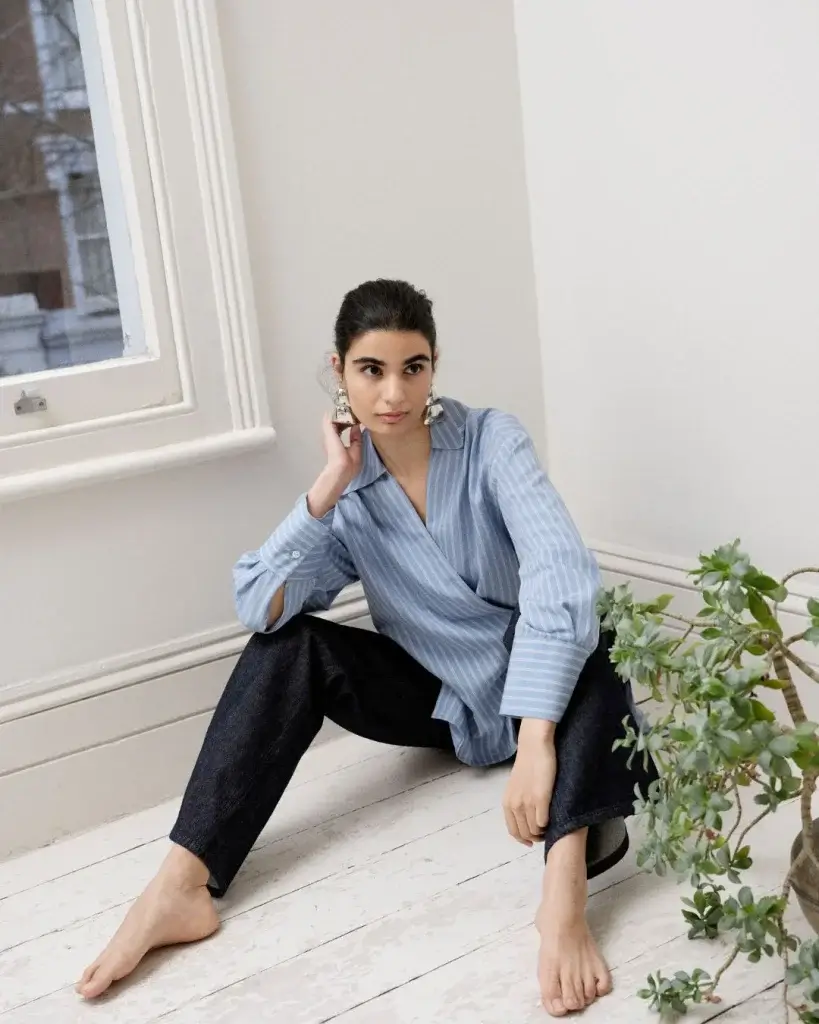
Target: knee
point(301, 630)
point(297, 626)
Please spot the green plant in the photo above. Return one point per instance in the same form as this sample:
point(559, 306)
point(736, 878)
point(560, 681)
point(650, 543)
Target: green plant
point(715, 743)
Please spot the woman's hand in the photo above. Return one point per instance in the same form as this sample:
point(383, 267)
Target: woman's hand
point(531, 784)
point(344, 461)
point(343, 466)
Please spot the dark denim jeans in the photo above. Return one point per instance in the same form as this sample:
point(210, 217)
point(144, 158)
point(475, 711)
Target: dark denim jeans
point(287, 682)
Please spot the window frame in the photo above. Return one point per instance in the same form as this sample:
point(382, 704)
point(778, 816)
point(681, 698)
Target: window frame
point(198, 390)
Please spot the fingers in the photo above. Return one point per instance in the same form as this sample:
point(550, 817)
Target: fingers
point(354, 440)
point(542, 812)
point(515, 826)
point(532, 816)
point(531, 822)
point(526, 834)
point(331, 432)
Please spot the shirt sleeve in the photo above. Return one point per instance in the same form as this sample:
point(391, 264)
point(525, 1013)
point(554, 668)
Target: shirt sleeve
point(305, 556)
point(558, 626)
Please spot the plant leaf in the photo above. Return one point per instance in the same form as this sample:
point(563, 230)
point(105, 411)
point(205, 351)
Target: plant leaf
point(761, 712)
point(784, 745)
point(759, 581)
point(761, 611)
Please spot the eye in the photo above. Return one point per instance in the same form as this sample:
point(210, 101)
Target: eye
point(371, 371)
point(414, 369)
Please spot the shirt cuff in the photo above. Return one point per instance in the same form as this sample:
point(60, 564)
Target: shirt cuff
point(542, 677)
point(291, 542)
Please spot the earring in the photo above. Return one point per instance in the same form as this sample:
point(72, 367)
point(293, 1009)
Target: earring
point(434, 409)
point(342, 413)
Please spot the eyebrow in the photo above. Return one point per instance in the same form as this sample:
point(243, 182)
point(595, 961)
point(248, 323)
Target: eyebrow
point(380, 362)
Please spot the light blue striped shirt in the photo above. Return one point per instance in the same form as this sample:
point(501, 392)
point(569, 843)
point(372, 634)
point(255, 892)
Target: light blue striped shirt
point(497, 537)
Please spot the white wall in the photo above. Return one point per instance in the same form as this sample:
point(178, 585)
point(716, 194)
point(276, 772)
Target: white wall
point(673, 161)
point(373, 139)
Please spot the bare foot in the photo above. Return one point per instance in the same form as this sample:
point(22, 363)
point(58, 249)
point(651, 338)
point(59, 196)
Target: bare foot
point(176, 907)
point(571, 971)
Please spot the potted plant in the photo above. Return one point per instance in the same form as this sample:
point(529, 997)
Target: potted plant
point(718, 749)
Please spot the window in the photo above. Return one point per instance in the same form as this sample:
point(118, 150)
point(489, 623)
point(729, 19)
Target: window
point(127, 331)
point(57, 40)
point(92, 275)
point(63, 47)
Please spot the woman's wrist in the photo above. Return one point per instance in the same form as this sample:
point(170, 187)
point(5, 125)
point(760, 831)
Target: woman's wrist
point(536, 730)
point(323, 496)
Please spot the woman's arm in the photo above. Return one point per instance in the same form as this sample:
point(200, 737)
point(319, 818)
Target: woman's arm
point(559, 582)
point(302, 566)
point(558, 626)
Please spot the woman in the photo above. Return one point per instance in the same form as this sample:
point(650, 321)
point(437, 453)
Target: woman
point(487, 644)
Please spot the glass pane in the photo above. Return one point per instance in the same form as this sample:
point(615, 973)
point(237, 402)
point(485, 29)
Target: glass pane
point(86, 199)
point(58, 297)
point(97, 268)
point(64, 43)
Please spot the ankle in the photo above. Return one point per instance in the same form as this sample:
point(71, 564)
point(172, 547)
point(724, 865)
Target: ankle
point(570, 850)
point(184, 869)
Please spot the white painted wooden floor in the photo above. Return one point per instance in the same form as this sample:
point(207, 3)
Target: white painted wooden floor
point(385, 889)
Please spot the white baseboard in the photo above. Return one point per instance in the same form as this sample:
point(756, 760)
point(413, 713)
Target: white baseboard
point(82, 682)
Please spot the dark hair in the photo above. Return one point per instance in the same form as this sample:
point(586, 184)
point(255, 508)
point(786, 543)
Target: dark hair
point(383, 305)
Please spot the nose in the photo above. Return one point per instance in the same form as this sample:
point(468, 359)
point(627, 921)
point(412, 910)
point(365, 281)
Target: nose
point(393, 393)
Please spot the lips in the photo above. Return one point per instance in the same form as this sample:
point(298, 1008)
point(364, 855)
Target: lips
point(392, 417)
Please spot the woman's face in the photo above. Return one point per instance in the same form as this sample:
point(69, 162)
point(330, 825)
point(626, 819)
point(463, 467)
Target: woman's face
point(388, 375)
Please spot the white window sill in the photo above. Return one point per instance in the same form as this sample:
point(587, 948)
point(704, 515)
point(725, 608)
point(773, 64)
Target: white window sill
point(118, 467)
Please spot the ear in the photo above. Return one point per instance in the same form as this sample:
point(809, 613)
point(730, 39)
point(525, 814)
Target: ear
point(436, 359)
point(335, 364)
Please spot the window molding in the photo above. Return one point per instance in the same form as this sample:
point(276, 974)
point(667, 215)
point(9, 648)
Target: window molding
point(191, 263)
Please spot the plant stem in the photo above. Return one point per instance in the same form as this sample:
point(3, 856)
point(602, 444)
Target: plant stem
point(683, 638)
point(753, 824)
point(794, 639)
point(786, 962)
point(807, 570)
point(693, 623)
point(802, 665)
point(796, 708)
point(723, 969)
point(806, 804)
point(739, 816)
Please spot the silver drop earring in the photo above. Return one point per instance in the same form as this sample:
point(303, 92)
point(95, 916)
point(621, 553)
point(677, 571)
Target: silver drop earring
point(342, 413)
point(434, 409)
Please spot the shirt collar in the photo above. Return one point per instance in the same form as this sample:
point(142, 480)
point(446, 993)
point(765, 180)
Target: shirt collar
point(447, 433)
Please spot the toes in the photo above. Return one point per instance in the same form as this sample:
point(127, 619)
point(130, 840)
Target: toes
point(550, 994)
point(590, 988)
point(571, 988)
point(604, 983)
point(97, 984)
point(87, 974)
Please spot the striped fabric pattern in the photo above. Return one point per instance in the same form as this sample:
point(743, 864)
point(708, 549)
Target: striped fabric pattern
point(497, 538)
